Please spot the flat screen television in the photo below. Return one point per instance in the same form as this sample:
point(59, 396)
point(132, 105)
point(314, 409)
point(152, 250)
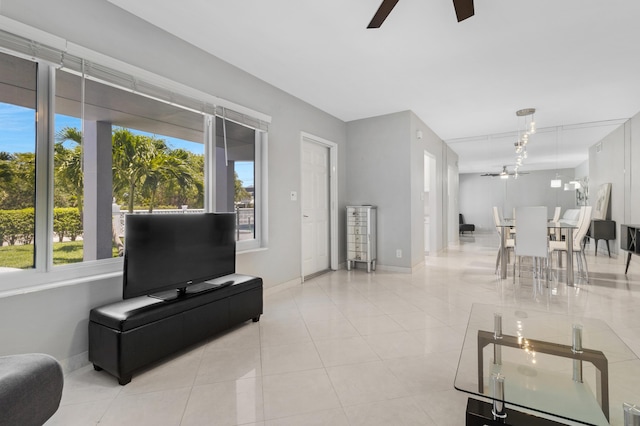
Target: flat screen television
point(170, 255)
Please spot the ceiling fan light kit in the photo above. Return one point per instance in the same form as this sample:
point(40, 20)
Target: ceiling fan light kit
point(464, 9)
point(505, 173)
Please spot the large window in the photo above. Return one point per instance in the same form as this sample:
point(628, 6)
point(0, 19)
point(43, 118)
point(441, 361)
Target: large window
point(108, 150)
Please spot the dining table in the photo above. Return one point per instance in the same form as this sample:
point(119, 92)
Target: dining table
point(507, 230)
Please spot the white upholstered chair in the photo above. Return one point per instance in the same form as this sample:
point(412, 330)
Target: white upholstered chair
point(584, 220)
point(555, 234)
point(510, 242)
point(531, 239)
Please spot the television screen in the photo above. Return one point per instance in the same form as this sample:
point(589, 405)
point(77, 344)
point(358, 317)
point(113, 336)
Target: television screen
point(173, 251)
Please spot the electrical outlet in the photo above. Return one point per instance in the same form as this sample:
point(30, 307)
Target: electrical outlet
point(398, 253)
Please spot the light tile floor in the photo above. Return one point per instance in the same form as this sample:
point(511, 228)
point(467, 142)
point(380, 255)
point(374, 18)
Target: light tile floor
point(347, 348)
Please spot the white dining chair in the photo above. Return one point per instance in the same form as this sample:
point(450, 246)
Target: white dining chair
point(555, 233)
point(584, 220)
point(532, 239)
point(497, 219)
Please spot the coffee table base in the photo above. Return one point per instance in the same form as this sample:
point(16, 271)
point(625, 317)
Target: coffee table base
point(479, 414)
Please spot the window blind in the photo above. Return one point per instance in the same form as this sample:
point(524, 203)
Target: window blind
point(126, 81)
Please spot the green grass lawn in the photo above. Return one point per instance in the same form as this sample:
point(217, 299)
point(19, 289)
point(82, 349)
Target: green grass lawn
point(16, 256)
point(22, 256)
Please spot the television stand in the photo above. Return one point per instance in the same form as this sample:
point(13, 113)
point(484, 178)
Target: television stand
point(128, 335)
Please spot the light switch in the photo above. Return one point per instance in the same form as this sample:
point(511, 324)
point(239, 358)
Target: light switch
point(294, 196)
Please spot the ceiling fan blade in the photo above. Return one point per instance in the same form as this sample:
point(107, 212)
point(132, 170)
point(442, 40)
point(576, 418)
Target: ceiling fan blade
point(464, 9)
point(383, 11)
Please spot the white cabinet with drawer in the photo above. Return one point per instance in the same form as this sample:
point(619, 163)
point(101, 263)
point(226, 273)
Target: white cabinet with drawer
point(361, 236)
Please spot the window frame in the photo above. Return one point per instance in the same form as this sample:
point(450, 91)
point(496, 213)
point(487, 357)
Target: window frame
point(259, 200)
point(44, 274)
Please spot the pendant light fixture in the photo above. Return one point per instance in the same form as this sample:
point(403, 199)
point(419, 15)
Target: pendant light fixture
point(528, 129)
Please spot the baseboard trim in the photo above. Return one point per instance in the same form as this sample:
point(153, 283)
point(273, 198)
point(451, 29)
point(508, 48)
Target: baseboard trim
point(74, 362)
point(282, 286)
point(388, 268)
point(315, 274)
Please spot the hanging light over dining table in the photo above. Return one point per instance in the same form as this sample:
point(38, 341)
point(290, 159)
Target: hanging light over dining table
point(528, 129)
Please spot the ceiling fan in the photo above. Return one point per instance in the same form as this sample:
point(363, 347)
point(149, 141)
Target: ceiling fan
point(504, 174)
point(464, 10)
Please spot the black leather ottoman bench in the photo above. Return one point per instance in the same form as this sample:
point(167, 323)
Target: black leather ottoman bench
point(127, 335)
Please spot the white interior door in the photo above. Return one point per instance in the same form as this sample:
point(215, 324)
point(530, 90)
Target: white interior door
point(315, 208)
point(428, 196)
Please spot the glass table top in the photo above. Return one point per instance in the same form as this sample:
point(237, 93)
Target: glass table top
point(542, 371)
point(561, 224)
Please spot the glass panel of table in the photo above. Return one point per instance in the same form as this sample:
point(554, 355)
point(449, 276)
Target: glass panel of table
point(553, 364)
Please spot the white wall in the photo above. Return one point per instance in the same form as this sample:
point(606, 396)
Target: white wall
point(632, 189)
point(441, 216)
point(379, 174)
point(54, 321)
point(478, 195)
point(582, 170)
point(386, 169)
point(615, 159)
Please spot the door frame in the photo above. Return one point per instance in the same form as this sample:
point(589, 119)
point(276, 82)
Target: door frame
point(430, 163)
point(333, 198)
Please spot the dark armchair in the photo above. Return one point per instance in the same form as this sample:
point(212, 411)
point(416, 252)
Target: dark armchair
point(465, 227)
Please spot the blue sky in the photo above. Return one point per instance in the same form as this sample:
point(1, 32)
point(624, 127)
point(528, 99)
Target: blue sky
point(17, 129)
point(17, 134)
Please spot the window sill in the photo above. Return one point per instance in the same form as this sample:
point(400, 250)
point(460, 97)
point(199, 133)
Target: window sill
point(252, 250)
point(61, 276)
point(22, 282)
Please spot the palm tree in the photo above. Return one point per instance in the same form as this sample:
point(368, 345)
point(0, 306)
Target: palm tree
point(68, 163)
point(241, 194)
point(131, 155)
point(147, 162)
point(163, 167)
point(186, 184)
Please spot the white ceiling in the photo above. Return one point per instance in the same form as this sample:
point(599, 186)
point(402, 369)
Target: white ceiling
point(575, 61)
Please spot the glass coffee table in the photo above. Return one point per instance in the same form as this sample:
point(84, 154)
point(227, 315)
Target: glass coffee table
point(544, 368)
